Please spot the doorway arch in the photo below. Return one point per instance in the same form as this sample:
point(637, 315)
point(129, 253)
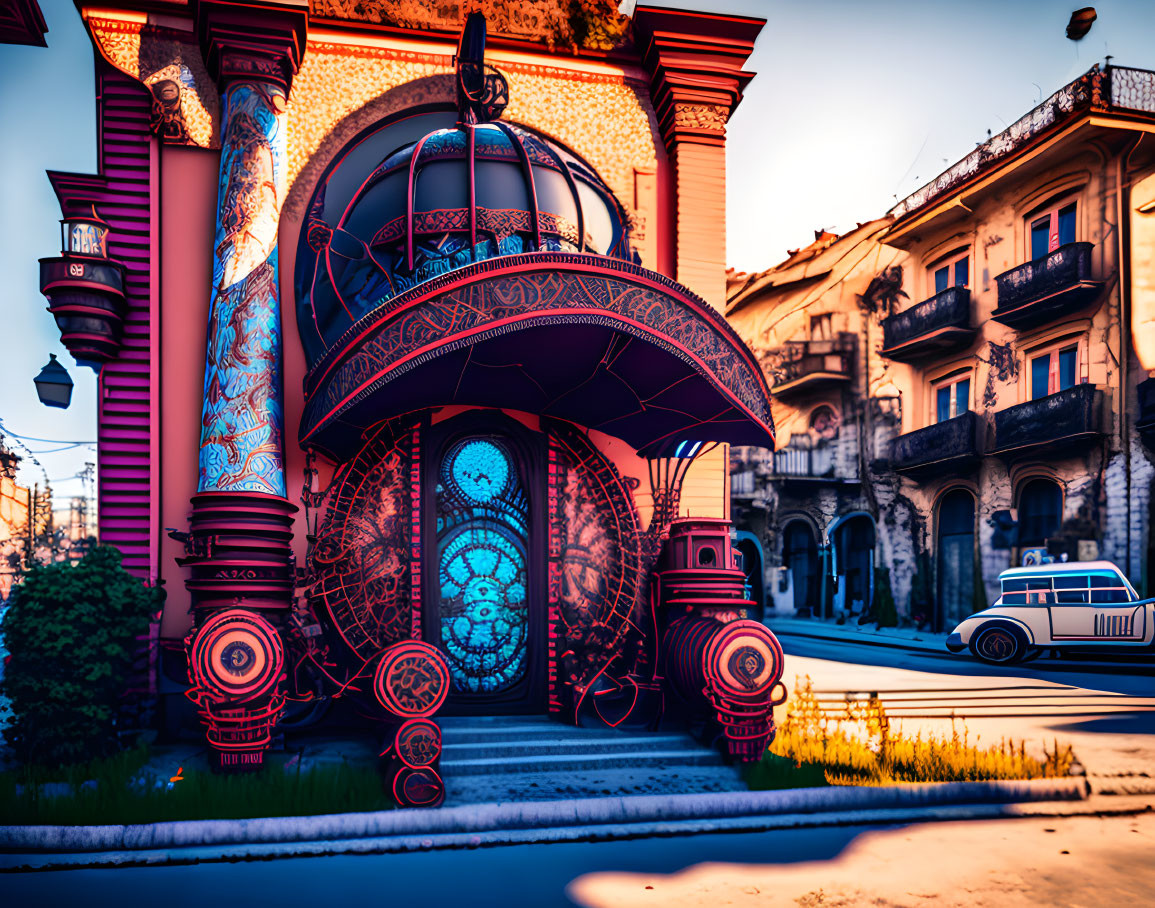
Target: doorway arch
point(955, 558)
point(800, 558)
point(852, 538)
point(752, 566)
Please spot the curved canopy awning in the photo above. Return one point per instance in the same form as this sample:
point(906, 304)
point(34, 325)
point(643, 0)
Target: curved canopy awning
point(585, 338)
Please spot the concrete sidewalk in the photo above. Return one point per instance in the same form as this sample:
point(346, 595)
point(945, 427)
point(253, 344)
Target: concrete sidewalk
point(852, 632)
point(590, 819)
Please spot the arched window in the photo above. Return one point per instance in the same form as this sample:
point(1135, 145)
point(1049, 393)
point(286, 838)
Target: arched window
point(1040, 512)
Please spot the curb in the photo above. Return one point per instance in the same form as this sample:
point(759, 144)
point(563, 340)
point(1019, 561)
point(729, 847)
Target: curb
point(1109, 807)
point(540, 820)
point(862, 639)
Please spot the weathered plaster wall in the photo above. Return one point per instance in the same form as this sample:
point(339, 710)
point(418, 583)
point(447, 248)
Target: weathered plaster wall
point(1106, 487)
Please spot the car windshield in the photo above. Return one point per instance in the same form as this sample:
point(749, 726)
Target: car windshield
point(1069, 589)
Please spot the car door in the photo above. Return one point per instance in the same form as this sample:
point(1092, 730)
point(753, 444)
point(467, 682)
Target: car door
point(1072, 617)
point(1115, 616)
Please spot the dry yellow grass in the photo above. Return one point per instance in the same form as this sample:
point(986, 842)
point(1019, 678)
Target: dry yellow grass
point(859, 746)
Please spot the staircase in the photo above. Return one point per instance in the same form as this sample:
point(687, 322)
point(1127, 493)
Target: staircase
point(531, 758)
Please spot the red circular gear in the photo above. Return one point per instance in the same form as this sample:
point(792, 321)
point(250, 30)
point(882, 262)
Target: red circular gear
point(237, 656)
point(412, 679)
point(418, 787)
point(744, 660)
point(418, 743)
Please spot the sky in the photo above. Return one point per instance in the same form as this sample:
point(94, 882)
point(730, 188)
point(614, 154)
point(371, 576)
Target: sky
point(857, 103)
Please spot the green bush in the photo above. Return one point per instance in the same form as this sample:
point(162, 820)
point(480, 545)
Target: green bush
point(71, 633)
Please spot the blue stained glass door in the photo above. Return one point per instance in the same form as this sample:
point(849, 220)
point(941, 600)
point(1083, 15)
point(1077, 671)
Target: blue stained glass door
point(482, 542)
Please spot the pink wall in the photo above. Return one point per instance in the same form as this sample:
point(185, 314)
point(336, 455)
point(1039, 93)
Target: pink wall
point(294, 369)
point(188, 199)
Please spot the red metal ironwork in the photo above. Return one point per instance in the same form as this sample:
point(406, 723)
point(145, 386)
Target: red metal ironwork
point(238, 547)
point(421, 787)
point(714, 659)
point(735, 669)
point(417, 743)
point(236, 661)
point(412, 679)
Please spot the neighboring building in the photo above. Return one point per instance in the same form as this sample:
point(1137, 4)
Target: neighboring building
point(962, 386)
point(500, 269)
point(14, 509)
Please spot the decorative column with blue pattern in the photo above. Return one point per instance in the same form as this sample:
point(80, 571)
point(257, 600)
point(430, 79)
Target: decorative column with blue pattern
point(241, 525)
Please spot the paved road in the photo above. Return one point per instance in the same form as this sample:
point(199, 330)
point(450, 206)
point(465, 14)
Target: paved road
point(1105, 710)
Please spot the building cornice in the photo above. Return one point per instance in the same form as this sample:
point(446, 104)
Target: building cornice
point(695, 64)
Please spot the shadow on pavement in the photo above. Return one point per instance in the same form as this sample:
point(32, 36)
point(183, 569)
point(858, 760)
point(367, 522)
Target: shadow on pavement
point(1120, 724)
point(501, 877)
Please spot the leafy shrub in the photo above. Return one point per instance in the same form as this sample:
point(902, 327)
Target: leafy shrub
point(71, 632)
point(857, 745)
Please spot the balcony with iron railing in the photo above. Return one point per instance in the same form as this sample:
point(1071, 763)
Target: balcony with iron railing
point(811, 464)
point(1059, 423)
point(805, 366)
point(946, 448)
point(1051, 286)
point(940, 323)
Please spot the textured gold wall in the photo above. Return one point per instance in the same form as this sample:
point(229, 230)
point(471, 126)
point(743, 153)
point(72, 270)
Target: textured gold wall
point(341, 89)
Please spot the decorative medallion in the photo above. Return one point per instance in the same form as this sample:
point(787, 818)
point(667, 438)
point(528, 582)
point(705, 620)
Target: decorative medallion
point(412, 679)
point(237, 656)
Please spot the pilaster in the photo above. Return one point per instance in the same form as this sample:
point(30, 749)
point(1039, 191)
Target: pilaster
point(695, 64)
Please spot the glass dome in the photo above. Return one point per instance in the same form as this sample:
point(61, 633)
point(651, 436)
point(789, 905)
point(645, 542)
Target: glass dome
point(457, 195)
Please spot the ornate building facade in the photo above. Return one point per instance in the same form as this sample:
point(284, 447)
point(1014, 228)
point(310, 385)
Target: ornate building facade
point(963, 385)
point(465, 367)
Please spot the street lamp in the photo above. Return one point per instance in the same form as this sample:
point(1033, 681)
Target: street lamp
point(54, 384)
point(85, 290)
point(84, 234)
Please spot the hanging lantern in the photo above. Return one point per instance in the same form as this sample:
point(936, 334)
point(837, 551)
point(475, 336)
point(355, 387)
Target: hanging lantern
point(54, 384)
point(85, 290)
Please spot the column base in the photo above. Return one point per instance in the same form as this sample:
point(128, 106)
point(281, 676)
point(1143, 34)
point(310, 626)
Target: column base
point(239, 549)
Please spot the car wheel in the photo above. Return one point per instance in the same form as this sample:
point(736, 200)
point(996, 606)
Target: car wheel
point(999, 645)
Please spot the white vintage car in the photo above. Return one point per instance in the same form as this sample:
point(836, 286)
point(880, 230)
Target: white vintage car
point(1082, 603)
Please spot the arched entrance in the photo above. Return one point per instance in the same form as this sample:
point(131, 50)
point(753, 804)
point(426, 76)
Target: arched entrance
point(853, 538)
point(752, 567)
point(485, 601)
point(800, 558)
point(955, 558)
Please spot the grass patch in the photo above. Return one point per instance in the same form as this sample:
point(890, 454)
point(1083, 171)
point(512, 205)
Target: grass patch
point(119, 796)
point(860, 747)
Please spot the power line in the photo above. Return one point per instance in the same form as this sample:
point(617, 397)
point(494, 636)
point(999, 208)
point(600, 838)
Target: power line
point(50, 441)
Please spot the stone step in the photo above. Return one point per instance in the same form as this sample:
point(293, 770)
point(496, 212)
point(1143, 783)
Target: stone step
point(596, 783)
point(567, 763)
point(479, 733)
point(558, 744)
